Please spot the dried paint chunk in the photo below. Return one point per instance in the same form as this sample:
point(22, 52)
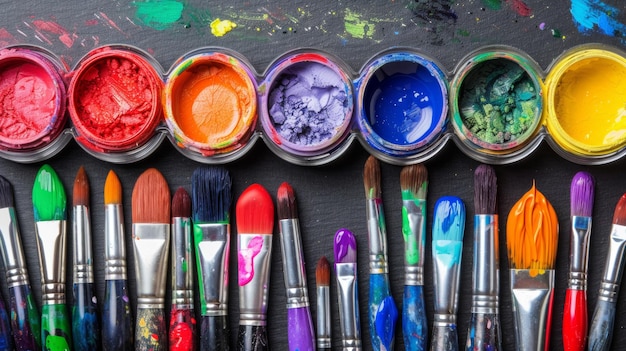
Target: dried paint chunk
point(219, 27)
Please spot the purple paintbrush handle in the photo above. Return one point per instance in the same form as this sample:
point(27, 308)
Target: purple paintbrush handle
point(300, 326)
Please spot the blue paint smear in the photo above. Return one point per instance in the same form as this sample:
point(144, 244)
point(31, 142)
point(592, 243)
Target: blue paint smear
point(594, 15)
point(449, 220)
point(386, 317)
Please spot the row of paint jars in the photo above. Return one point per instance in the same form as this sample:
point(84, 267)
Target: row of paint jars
point(498, 105)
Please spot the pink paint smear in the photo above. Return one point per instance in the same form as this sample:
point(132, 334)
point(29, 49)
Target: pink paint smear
point(246, 260)
point(47, 28)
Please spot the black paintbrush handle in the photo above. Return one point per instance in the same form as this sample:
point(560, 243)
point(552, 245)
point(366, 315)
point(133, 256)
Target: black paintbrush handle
point(85, 324)
point(117, 323)
point(252, 338)
point(484, 332)
point(214, 333)
point(601, 331)
point(445, 338)
point(26, 324)
point(150, 330)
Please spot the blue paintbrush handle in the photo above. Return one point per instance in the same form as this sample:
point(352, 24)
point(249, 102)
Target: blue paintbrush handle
point(117, 324)
point(484, 332)
point(26, 324)
point(414, 323)
point(85, 326)
point(252, 338)
point(214, 333)
point(382, 320)
point(601, 331)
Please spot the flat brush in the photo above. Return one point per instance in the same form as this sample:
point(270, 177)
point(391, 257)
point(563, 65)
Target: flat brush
point(25, 321)
point(532, 233)
point(414, 186)
point(211, 204)
point(117, 323)
point(50, 211)
point(182, 332)
point(255, 223)
point(382, 316)
point(151, 238)
point(300, 324)
point(447, 249)
point(347, 289)
point(601, 331)
point(575, 309)
point(484, 328)
point(322, 279)
point(85, 325)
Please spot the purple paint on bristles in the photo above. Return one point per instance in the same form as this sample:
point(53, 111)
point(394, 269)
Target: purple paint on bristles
point(582, 193)
point(345, 246)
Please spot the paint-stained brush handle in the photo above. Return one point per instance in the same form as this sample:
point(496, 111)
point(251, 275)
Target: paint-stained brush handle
point(575, 320)
point(182, 336)
point(300, 329)
point(383, 316)
point(414, 323)
point(117, 323)
point(601, 331)
point(214, 333)
point(445, 338)
point(27, 322)
point(252, 338)
point(150, 330)
point(55, 327)
point(484, 332)
point(6, 341)
point(85, 326)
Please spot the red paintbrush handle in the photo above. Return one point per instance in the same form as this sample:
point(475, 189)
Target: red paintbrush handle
point(575, 320)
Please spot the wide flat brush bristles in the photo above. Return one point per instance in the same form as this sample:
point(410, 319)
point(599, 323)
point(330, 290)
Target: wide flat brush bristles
point(345, 247)
point(255, 211)
point(287, 207)
point(6, 193)
point(151, 198)
point(582, 193)
point(322, 272)
point(485, 190)
point(181, 204)
point(619, 216)
point(112, 189)
point(371, 178)
point(80, 196)
point(211, 195)
point(414, 182)
point(49, 200)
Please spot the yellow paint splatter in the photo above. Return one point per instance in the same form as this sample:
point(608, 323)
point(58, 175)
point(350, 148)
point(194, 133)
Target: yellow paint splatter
point(358, 27)
point(219, 27)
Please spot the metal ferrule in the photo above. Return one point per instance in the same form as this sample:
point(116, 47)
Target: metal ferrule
point(212, 249)
point(293, 263)
point(377, 237)
point(446, 279)
point(443, 320)
point(253, 295)
point(12, 252)
point(114, 249)
point(532, 297)
point(323, 318)
point(486, 282)
point(579, 252)
point(51, 242)
point(609, 286)
point(182, 263)
point(347, 292)
point(414, 273)
point(150, 246)
point(81, 253)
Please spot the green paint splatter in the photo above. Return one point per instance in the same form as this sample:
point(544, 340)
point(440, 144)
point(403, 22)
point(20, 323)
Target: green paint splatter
point(158, 14)
point(493, 4)
point(556, 33)
point(358, 27)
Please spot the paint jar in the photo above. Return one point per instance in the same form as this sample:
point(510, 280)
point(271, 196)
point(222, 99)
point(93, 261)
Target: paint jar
point(32, 108)
point(115, 103)
point(496, 100)
point(210, 105)
point(402, 106)
point(586, 96)
point(306, 105)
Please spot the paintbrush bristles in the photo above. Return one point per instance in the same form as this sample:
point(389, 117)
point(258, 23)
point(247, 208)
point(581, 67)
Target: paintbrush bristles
point(322, 272)
point(414, 179)
point(582, 193)
point(485, 190)
point(255, 211)
point(151, 198)
point(112, 189)
point(211, 195)
point(371, 178)
point(181, 204)
point(286, 205)
point(81, 188)
point(619, 217)
point(6, 193)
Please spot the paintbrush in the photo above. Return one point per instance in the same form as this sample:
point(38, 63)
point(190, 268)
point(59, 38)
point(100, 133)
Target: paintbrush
point(50, 212)
point(414, 186)
point(447, 249)
point(484, 327)
point(382, 316)
point(347, 289)
point(601, 330)
point(322, 279)
point(85, 326)
point(151, 238)
point(575, 310)
point(300, 324)
point(255, 222)
point(211, 203)
point(182, 333)
point(117, 323)
point(532, 233)
point(6, 342)
point(25, 323)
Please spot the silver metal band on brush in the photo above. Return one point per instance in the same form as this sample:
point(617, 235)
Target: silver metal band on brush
point(151, 249)
point(446, 281)
point(579, 250)
point(51, 243)
point(293, 263)
point(614, 268)
point(212, 254)
point(414, 274)
point(377, 238)
point(253, 295)
point(323, 318)
point(486, 285)
point(347, 292)
point(182, 263)
point(81, 253)
point(12, 252)
point(114, 249)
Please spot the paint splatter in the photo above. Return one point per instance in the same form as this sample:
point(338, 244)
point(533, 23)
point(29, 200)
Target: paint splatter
point(219, 27)
point(437, 17)
point(357, 26)
point(519, 6)
point(46, 29)
point(7, 38)
point(595, 15)
point(159, 14)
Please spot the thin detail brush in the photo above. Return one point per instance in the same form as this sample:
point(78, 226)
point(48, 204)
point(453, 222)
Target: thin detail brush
point(447, 249)
point(414, 186)
point(151, 237)
point(255, 223)
point(575, 310)
point(25, 322)
point(50, 211)
point(347, 289)
point(322, 280)
point(382, 309)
